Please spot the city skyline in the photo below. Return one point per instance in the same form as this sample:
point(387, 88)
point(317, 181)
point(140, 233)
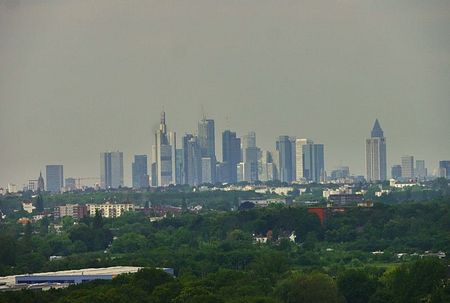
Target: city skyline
point(311, 69)
point(196, 162)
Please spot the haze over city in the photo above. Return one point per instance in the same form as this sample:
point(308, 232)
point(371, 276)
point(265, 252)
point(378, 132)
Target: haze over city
point(79, 78)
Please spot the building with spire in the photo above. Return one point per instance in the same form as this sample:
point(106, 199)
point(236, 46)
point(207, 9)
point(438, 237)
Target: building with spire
point(164, 155)
point(376, 154)
point(40, 183)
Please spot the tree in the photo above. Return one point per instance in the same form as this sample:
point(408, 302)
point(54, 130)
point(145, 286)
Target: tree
point(98, 220)
point(39, 204)
point(356, 285)
point(416, 281)
point(315, 287)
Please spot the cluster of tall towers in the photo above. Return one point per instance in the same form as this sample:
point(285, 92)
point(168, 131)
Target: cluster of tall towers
point(195, 162)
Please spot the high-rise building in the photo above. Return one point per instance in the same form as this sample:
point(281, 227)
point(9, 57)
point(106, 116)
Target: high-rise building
point(165, 149)
point(40, 183)
point(407, 167)
point(444, 169)
point(266, 167)
point(314, 162)
point(396, 172)
point(54, 178)
point(250, 157)
point(192, 160)
point(340, 173)
point(111, 170)
point(299, 157)
point(376, 154)
point(179, 170)
point(420, 170)
point(140, 172)
point(240, 172)
point(206, 139)
point(231, 154)
point(286, 159)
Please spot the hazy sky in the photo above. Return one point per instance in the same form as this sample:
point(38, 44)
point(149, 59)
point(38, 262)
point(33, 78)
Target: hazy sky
point(81, 77)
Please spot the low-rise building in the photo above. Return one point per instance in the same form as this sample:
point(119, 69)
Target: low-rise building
point(109, 210)
point(76, 211)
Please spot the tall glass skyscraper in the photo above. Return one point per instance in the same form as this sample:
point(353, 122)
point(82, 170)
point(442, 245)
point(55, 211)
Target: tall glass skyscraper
point(165, 149)
point(314, 162)
point(206, 139)
point(376, 154)
point(111, 169)
point(54, 178)
point(192, 160)
point(408, 167)
point(299, 157)
point(231, 154)
point(286, 159)
point(140, 172)
point(250, 157)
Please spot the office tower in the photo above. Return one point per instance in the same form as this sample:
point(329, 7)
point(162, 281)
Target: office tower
point(140, 172)
point(294, 157)
point(206, 138)
point(286, 159)
point(153, 170)
point(299, 157)
point(40, 183)
point(266, 167)
point(111, 170)
point(207, 170)
point(165, 149)
point(240, 172)
point(231, 155)
point(421, 171)
point(207, 141)
point(376, 154)
point(314, 162)
point(54, 178)
point(250, 157)
point(220, 172)
point(179, 170)
point(396, 172)
point(444, 169)
point(407, 167)
point(192, 160)
point(340, 173)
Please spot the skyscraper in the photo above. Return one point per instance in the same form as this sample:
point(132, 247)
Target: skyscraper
point(192, 160)
point(165, 149)
point(299, 157)
point(54, 178)
point(231, 154)
point(179, 160)
point(314, 162)
point(286, 159)
point(444, 169)
point(206, 139)
point(408, 167)
point(266, 167)
point(250, 157)
point(396, 172)
point(140, 172)
point(111, 169)
point(40, 183)
point(420, 171)
point(376, 154)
